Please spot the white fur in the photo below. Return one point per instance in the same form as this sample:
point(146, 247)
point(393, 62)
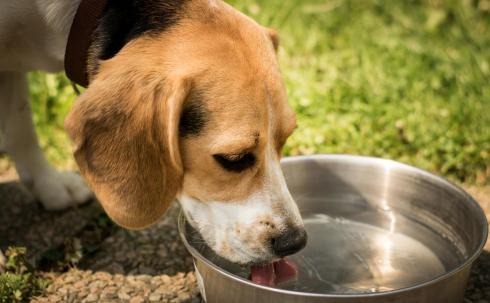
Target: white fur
point(33, 35)
point(3, 261)
point(218, 221)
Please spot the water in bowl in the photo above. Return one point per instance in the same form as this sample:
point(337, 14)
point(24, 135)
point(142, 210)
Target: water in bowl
point(344, 256)
point(349, 256)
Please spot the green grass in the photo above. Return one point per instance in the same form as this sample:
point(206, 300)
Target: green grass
point(19, 282)
point(406, 80)
point(51, 100)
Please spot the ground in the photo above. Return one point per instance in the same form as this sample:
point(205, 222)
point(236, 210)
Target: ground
point(88, 259)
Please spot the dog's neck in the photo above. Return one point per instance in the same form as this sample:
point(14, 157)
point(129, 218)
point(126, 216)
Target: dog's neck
point(86, 20)
point(125, 20)
point(40, 44)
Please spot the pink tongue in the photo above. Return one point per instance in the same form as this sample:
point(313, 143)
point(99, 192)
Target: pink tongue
point(274, 273)
point(285, 270)
point(263, 274)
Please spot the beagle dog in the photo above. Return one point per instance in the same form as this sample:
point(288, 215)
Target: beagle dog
point(185, 101)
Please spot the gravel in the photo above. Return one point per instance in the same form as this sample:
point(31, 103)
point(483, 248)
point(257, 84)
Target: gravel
point(478, 290)
point(155, 250)
point(25, 223)
point(150, 265)
point(89, 286)
point(118, 265)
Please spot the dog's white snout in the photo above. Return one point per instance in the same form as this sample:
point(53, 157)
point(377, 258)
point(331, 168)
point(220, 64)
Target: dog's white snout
point(267, 223)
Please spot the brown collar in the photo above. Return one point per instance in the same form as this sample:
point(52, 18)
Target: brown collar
point(85, 22)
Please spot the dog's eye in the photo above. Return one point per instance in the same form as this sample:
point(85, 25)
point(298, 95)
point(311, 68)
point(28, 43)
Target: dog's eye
point(235, 163)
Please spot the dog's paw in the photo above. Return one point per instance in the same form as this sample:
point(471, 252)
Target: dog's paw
point(60, 190)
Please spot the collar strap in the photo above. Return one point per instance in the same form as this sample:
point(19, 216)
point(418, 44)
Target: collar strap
point(85, 22)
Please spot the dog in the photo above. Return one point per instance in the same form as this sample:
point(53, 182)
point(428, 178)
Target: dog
point(185, 101)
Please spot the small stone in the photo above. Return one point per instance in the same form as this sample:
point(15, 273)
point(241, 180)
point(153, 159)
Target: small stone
point(103, 276)
point(83, 293)
point(109, 295)
point(86, 273)
point(137, 299)
point(161, 289)
point(162, 253)
point(97, 284)
point(70, 279)
point(72, 297)
point(183, 296)
point(115, 268)
point(91, 298)
point(156, 280)
point(111, 289)
point(145, 278)
point(62, 290)
point(191, 278)
point(80, 284)
point(475, 296)
point(123, 296)
point(120, 257)
point(126, 290)
point(54, 299)
point(136, 283)
point(154, 297)
point(164, 292)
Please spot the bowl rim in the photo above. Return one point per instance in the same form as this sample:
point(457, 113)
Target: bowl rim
point(330, 157)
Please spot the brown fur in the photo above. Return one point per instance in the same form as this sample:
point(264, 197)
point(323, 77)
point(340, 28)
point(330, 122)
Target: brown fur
point(125, 125)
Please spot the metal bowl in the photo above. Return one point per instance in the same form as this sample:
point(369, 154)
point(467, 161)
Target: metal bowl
point(379, 231)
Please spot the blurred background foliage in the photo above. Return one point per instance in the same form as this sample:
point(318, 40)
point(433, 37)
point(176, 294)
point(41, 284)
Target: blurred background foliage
point(405, 80)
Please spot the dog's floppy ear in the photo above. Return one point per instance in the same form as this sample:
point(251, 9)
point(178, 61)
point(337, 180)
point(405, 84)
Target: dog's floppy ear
point(272, 33)
point(125, 131)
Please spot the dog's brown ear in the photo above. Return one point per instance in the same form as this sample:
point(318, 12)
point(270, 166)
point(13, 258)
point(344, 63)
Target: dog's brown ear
point(272, 33)
point(125, 131)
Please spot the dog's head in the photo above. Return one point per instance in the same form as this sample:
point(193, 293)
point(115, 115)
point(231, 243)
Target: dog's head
point(196, 112)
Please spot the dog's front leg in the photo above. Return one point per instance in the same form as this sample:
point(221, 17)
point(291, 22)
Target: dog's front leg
point(3, 262)
point(55, 190)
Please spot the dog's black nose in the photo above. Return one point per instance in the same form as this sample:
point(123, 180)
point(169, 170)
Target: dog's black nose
point(289, 242)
